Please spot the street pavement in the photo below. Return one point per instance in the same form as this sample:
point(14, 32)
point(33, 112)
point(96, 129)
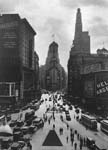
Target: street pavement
point(39, 136)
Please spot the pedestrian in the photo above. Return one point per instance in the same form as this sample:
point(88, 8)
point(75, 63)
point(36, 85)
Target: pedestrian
point(71, 130)
point(49, 120)
point(80, 146)
point(67, 126)
point(67, 139)
point(78, 136)
point(54, 118)
point(75, 131)
point(53, 126)
point(72, 140)
point(75, 145)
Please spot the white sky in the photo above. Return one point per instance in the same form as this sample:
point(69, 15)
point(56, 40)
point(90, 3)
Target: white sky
point(49, 17)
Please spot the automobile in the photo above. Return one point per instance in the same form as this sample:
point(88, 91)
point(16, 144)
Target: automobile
point(16, 146)
point(58, 104)
point(29, 115)
point(99, 119)
point(16, 129)
point(25, 129)
point(29, 122)
point(22, 143)
point(66, 112)
point(77, 111)
point(8, 117)
point(12, 123)
point(32, 128)
point(19, 123)
point(5, 144)
point(50, 99)
point(17, 136)
point(63, 108)
point(90, 142)
point(76, 106)
point(68, 118)
point(38, 122)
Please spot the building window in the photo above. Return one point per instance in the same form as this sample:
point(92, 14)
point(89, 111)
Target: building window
point(7, 89)
point(30, 53)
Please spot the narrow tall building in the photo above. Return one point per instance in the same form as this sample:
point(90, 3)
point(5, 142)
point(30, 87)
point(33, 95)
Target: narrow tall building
point(81, 39)
point(79, 50)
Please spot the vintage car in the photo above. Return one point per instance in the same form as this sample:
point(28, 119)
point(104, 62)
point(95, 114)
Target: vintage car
point(17, 145)
point(5, 144)
point(38, 122)
point(13, 123)
point(19, 123)
point(32, 128)
point(17, 136)
point(90, 143)
point(25, 129)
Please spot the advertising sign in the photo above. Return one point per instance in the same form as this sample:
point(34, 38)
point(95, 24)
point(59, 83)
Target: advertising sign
point(102, 84)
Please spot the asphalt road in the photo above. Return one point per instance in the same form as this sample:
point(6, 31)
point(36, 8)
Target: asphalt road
point(38, 138)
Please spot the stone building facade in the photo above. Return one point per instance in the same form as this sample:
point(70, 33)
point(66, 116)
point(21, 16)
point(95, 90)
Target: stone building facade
point(17, 61)
point(82, 63)
point(52, 74)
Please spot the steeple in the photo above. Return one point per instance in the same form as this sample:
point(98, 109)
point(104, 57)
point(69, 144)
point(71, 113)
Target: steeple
point(78, 25)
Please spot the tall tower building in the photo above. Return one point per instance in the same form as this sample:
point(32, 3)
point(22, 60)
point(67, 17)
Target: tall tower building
point(81, 40)
point(79, 51)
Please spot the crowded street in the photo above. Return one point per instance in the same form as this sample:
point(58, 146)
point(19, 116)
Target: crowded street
point(71, 133)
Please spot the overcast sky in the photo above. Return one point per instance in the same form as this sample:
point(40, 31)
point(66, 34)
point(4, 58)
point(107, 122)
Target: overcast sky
point(58, 17)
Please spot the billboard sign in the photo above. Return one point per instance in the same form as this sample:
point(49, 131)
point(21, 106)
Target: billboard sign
point(102, 84)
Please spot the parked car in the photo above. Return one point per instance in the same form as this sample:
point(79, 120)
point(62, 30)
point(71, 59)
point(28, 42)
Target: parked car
point(19, 123)
point(38, 122)
point(68, 118)
point(17, 136)
point(5, 144)
point(77, 111)
point(66, 112)
point(90, 143)
point(32, 128)
point(8, 117)
point(25, 129)
point(16, 146)
point(12, 123)
point(29, 115)
point(16, 129)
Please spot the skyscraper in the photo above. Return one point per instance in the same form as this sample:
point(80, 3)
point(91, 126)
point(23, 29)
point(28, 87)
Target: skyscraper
point(81, 40)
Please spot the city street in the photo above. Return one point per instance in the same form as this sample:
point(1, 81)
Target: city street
point(39, 137)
